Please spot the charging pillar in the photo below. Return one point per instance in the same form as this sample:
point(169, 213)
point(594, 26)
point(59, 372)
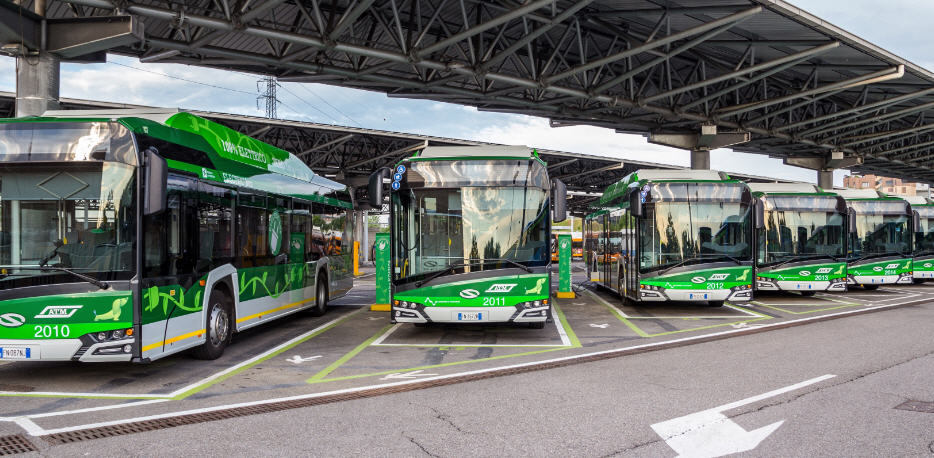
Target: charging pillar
point(564, 267)
point(381, 247)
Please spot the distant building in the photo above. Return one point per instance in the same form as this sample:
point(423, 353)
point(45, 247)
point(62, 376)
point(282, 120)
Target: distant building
point(887, 185)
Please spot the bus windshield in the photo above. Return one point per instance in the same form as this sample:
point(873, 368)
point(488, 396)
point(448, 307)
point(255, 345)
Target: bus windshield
point(474, 226)
point(801, 228)
point(881, 229)
point(78, 216)
point(685, 224)
point(924, 238)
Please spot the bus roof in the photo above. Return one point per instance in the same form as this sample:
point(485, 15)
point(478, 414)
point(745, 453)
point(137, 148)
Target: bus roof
point(618, 189)
point(852, 194)
point(481, 151)
point(785, 188)
point(238, 158)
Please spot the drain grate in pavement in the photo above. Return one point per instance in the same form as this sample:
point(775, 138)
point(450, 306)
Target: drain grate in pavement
point(917, 406)
point(12, 445)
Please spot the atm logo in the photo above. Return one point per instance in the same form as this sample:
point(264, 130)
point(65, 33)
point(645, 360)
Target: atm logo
point(824, 270)
point(892, 266)
point(58, 311)
point(500, 288)
point(717, 277)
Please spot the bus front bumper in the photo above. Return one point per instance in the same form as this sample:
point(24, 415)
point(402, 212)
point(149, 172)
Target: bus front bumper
point(901, 279)
point(767, 284)
point(66, 350)
point(514, 314)
point(696, 295)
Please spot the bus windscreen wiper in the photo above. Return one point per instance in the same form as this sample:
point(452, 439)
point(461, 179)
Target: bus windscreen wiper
point(98, 283)
point(446, 270)
point(508, 261)
point(471, 262)
point(717, 256)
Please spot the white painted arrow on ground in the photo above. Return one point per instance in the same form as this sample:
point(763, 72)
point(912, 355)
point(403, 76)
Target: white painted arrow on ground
point(406, 375)
point(601, 326)
point(709, 433)
point(298, 359)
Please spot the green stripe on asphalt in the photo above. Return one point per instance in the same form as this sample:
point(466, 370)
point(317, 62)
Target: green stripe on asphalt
point(343, 359)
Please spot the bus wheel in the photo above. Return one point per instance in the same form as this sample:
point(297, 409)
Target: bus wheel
point(870, 287)
point(537, 325)
point(715, 303)
point(218, 328)
point(321, 297)
point(808, 293)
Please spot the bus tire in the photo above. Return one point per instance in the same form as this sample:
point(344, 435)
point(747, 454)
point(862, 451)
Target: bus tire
point(321, 297)
point(715, 303)
point(808, 293)
point(870, 287)
point(537, 325)
point(218, 327)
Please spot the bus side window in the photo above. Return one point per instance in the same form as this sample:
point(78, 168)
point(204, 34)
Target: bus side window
point(216, 227)
point(300, 237)
point(251, 229)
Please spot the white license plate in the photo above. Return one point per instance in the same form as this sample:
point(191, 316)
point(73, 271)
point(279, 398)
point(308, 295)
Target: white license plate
point(468, 316)
point(19, 353)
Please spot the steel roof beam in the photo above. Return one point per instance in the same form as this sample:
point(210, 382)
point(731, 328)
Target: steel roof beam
point(395, 152)
point(870, 78)
point(875, 121)
point(529, 38)
point(858, 111)
point(790, 60)
point(728, 20)
point(349, 17)
point(334, 142)
point(889, 134)
point(479, 28)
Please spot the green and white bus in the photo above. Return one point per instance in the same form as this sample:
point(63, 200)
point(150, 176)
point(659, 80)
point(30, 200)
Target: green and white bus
point(673, 235)
point(801, 240)
point(922, 253)
point(130, 235)
point(470, 231)
point(879, 246)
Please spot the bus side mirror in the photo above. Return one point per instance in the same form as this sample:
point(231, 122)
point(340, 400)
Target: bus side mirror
point(851, 221)
point(375, 187)
point(760, 215)
point(560, 197)
point(156, 181)
point(635, 203)
point(916, 221)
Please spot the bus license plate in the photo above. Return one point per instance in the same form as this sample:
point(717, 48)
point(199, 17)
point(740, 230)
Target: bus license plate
point(18, 353)
point(469, 316)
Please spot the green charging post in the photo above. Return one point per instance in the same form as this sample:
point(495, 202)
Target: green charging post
point(564, 267)
point(381, 259)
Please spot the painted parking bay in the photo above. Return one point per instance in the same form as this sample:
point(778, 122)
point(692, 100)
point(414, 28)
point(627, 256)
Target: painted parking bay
point(356, 348)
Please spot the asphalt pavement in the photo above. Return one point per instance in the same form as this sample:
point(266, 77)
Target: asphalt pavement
point(877, 362)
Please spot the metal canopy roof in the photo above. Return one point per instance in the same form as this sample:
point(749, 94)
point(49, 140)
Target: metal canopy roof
point(801, 86)
point(352, 153)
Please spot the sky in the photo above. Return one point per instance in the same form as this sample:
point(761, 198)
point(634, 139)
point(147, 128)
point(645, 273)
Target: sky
point(901, 27)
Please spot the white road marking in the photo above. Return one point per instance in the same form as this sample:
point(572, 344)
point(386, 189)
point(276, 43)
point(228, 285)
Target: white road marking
point(687, 317)
point(407, 375)
point(709, 433)
point(297, 359)
point(447, 376)
point(601, 326)
point(40, 431)
point(172, 394)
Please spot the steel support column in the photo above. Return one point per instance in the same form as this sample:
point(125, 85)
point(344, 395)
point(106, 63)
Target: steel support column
point(700, 159)
point(37, 84)
point(825, 179)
